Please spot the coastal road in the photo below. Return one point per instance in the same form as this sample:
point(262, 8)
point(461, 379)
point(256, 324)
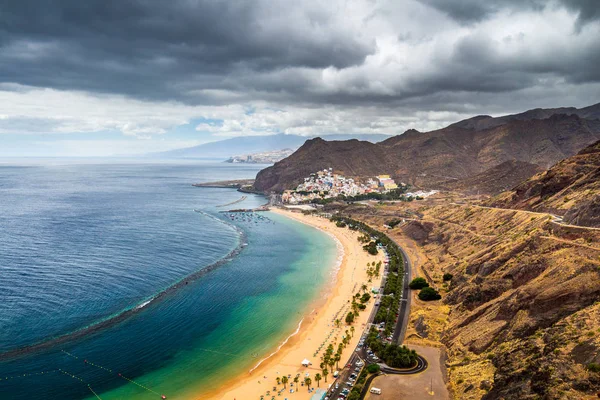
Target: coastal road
point(397, 337)
point(404, 310)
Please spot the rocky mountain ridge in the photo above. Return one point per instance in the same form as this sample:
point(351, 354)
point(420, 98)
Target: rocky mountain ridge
point(458, 152)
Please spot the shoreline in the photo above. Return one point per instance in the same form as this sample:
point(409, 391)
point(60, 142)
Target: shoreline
point(315, 326)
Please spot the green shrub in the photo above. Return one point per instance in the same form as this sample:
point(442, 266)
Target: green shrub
point(429, 293)
point(350, 318)
point(418, 283)
point(447, 277)
point(371, 248)
point(594, 367)
point(373, 368)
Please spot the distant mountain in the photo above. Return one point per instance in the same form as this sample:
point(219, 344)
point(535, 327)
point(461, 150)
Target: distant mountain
point(253, 144)
point(265, 157)
point(457, 152)
point(570, 188)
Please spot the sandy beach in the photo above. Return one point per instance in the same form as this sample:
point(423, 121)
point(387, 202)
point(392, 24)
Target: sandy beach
point(318, 328)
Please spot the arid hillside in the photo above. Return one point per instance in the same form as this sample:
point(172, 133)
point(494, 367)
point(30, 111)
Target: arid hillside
point(520, 316)
point(495, 180)
point(456, 153)
point(570, 188)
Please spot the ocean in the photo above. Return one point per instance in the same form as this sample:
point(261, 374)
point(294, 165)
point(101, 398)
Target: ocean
point(104, 289)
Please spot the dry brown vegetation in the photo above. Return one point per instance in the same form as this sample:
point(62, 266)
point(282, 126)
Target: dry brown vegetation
point(570, 188)
point(520, 318)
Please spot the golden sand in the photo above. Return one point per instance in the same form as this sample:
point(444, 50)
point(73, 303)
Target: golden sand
point(318, 327)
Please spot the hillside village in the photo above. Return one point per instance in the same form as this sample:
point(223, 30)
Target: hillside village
point(326, 184)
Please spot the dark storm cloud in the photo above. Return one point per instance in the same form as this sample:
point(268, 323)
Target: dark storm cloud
point(468, 11)
point(157, 49)
point(216, 52)
point(587, 10)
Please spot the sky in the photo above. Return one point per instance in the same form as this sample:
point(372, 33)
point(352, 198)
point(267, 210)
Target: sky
point(99, 78)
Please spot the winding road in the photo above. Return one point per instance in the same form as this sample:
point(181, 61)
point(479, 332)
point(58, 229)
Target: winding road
point(397, 337)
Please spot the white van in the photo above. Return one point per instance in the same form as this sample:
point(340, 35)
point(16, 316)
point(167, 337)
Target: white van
point(375, 390)
point(336, 373)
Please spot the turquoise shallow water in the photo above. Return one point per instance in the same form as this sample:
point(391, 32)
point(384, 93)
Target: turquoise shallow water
point(82, 243)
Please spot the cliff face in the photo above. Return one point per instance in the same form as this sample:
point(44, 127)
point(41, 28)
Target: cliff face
point(570, 188)
point(458, 152)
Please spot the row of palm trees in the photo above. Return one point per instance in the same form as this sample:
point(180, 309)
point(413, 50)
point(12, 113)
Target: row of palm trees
point(331, 359)
point(307, 381)
point(373, 270)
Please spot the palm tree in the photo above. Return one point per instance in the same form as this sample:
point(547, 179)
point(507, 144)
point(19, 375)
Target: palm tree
point(296, 379)
point(278, 380)
point(284, 380)
point(307, 382)
point(331, 363)
point(352, 331)
point(325, 373)
point(318, 378)
point(337, 359)
point(355, 308)
point(337, 323)
point(364, 288)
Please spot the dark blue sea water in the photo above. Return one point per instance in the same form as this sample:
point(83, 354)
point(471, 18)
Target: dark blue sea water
point(83, 243)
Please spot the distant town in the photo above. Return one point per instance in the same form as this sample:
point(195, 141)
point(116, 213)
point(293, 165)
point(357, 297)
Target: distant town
point(326, 185)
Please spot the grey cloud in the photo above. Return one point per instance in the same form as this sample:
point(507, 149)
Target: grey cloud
point(587, 10)
point(468, 11)
point(158, 49)
point(215, 52)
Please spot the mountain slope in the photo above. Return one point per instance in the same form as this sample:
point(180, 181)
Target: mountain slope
point(496, 179)
point(352, 157)
point(457, 152)
point(519, 317)
point(252, 144)
point(570, 188)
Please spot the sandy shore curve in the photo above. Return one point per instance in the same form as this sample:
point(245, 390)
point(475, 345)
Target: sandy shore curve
point(316, 329)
